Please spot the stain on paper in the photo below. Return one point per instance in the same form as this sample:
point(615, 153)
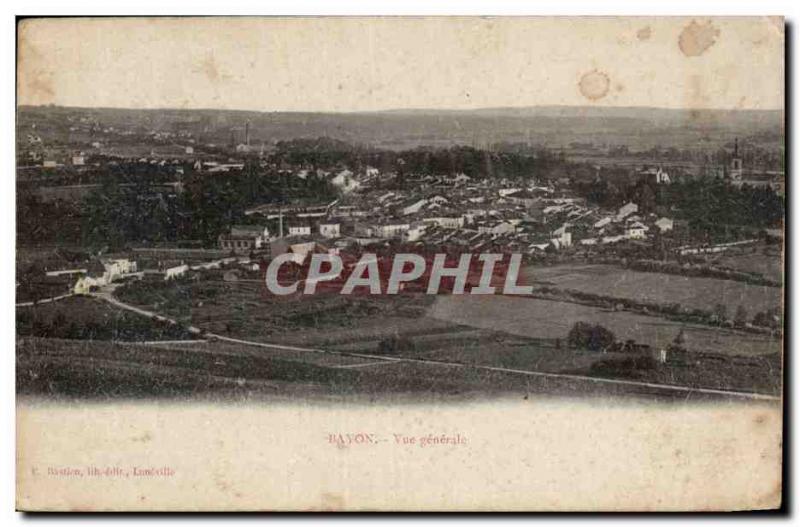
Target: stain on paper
point(594, 85)
point(645, 33)
point(696, 38)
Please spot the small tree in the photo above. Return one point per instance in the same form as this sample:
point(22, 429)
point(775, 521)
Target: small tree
point(740, 319)
point(588, 336)
point(680, 339)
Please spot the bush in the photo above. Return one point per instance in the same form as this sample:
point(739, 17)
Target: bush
point(591, 337)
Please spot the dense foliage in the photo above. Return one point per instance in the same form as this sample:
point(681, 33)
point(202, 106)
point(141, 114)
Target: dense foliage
point(590, 336)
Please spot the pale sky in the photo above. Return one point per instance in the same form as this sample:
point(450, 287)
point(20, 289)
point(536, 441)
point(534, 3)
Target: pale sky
point(364, 64)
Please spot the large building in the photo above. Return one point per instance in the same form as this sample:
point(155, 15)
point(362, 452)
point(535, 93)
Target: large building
point(244, 239)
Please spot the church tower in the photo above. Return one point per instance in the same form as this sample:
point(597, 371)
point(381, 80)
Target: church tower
point(736, 162)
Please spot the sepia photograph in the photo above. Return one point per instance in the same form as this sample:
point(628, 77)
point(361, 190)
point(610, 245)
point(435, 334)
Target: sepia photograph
point(400, 263)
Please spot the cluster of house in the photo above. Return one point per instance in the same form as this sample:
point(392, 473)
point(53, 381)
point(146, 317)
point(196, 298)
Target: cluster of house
point(85, 275)
point(625, 224)
point(453, 210)
point(68, 276)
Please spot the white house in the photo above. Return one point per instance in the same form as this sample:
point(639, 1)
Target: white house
point(626, 210)
point(446, 222)
point(599, 224)
point(330, 229)
point(300, 230)
point(115, 269)
point(103, 273)
point(244, 238)
point(665, 224)
point(415, 231)
point(414, 207)
point(502, 227)
point(636, 231)
point(345, 181)
point(561, 237)
point(389, 230)
point(613, 239)
point(86, 283)
point(176, 271)
point(259, 231)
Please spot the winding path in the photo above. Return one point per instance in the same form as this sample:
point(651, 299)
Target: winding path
point(44, 300)
point(108, 297)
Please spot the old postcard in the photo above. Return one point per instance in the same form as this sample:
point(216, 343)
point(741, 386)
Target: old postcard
point(400, 263)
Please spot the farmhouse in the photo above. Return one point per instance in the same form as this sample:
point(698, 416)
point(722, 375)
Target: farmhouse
point(664, 224)
point(345, 181)
point(242, 239)
point(101, 273)
point(626, 210)
point(636, 230)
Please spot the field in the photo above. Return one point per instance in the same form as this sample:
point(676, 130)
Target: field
point(438, 347)
point(768, 265)
point(102, 370)
point(240, 309)
point(219, 371)
point(537, 318)
point(658, 288)
point(88, 318)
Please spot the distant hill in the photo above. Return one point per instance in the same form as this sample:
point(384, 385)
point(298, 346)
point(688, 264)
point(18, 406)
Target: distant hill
point(553, 126)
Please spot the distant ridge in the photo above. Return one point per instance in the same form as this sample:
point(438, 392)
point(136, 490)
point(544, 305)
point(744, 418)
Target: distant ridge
point(551, 110)
point(636, 127)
